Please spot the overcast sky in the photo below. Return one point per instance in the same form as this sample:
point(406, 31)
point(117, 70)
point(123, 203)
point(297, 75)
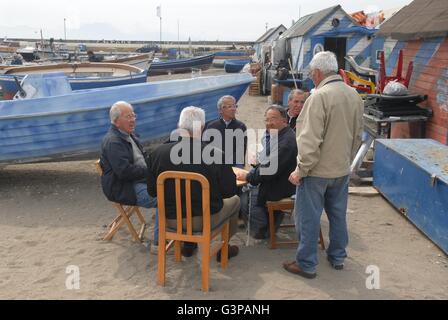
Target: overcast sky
point(136, 19)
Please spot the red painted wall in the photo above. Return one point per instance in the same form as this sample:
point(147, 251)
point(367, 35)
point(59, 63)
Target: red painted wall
point(430, 79)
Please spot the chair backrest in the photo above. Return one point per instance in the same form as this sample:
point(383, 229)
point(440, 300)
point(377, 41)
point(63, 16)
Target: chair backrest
point(188, 177)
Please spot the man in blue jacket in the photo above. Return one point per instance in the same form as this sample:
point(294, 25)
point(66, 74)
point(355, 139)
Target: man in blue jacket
point(124, 161)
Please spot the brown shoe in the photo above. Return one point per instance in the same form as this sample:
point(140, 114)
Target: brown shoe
point(233, 251)
point(293, 267)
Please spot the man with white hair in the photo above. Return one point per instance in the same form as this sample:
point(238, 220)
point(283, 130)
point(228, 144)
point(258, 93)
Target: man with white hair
point(329, 131)
point(185, 152)
point(229, 127)
point(124, 161)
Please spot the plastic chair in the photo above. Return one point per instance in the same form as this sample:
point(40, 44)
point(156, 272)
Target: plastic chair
point(363, 86)
point(175, 237)
point(286, 205)
point(383, 80)
point(124, 215)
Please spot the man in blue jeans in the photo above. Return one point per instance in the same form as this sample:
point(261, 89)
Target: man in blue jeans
point(329, 131)
point(124, 162)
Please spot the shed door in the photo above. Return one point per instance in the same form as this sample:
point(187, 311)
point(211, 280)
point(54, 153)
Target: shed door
point(339, 47)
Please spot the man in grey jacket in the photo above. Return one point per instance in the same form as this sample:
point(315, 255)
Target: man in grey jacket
point(329, 131)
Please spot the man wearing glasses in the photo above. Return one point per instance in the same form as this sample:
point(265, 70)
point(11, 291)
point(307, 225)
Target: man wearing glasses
point(232, 132)
point(124, 161)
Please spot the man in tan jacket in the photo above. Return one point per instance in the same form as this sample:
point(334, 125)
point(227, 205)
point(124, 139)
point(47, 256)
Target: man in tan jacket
point(329, 131)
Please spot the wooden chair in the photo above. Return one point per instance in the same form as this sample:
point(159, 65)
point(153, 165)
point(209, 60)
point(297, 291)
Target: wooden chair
point(180, 234)
point(286, 205)
point(124, 215)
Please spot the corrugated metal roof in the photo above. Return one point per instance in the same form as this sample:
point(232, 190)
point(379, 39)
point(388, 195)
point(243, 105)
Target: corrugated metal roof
point(268, 33)
point(420, 19)
point(306, 23)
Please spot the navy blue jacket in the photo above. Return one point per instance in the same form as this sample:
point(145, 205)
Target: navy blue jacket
point(119, 171)
point(220, 125)
point(277, 186)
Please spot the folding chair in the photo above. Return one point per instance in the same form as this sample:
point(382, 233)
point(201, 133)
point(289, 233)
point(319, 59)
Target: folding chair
point(124, 215)
point(286, 205)
point(180, 234)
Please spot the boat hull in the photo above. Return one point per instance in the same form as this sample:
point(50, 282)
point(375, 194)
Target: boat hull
point(77, 81)
point(72, 126)
point(181, 65)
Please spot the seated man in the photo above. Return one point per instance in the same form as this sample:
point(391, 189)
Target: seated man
point(181, 154)
point(296, 100)
point(232, 132)
point(271, 174)
point(124, 161)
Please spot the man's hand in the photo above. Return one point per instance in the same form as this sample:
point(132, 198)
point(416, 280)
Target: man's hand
point(294, 178)
point(241, 176)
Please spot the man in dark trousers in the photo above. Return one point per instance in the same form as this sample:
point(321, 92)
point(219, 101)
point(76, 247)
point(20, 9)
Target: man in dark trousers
point(232, 132)
point(181, 153)
point(271, 173)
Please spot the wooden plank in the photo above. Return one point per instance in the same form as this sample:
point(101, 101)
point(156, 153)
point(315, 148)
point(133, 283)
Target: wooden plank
point(363, 191)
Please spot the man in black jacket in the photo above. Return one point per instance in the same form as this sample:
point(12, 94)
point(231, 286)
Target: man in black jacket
point(124, 161)
point(271, 173)
point(232, 132)
point(185, 152)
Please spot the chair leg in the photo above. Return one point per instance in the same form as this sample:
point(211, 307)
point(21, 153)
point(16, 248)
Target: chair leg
point(139, 215)
point(177, 251)
point(130, 226)
point(321, 240)
point(205, 265)
point(225, 246)
point(161, 263)
point(272, 235)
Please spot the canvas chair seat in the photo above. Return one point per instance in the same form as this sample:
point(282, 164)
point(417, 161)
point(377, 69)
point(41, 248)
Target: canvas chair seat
point(124, 217)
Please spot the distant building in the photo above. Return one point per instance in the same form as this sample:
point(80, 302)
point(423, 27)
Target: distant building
point(330, 29)
point(263, 44)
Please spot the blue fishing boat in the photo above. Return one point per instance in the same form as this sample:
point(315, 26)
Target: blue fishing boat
point(234, 66)
point(81, 76)
point(71, 124)
point(180, 65)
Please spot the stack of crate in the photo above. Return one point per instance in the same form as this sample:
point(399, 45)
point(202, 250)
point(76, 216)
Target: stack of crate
point(255, 86)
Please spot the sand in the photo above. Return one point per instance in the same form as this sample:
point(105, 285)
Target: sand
point(52, 217)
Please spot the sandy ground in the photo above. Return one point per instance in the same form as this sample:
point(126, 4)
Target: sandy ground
point(52, 216)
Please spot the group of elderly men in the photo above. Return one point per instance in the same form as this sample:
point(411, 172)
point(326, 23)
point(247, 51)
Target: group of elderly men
point(307, 151)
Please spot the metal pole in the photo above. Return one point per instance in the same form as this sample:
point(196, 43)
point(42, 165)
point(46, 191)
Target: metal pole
point(65, 31)
point(160, 32)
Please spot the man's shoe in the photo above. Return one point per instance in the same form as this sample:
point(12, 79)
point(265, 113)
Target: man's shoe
point(293, 267)
point(335, 266)
point(188, 249)
point(233, 251)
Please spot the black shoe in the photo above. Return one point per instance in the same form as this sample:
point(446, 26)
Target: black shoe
point(261, 234)
point(188, 249)
point(335, 266)
point(233, 251)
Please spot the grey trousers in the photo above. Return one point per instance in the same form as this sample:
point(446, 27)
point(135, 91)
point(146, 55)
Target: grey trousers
point(230, 209)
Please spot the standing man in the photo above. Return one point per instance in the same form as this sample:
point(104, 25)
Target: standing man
point(124, 161)
point(232, 132)
point(329, 133)
point(296, 100)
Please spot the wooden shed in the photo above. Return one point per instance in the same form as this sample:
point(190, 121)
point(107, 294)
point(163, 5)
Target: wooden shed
point(421, 30)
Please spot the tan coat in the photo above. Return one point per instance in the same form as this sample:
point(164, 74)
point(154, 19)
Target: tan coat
point(329, 130)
